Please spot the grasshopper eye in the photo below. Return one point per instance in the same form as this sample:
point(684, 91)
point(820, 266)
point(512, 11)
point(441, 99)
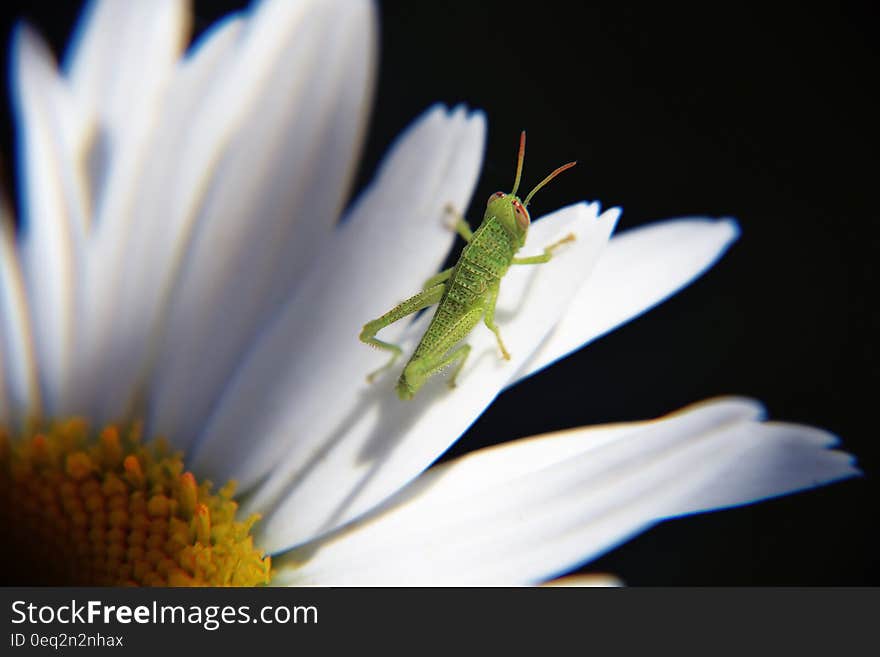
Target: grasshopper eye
point(494, 196)
point(522, 215)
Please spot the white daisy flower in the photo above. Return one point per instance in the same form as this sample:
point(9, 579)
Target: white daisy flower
point(186, 267)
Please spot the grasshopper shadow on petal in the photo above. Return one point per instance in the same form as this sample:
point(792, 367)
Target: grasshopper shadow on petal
point(395, 420)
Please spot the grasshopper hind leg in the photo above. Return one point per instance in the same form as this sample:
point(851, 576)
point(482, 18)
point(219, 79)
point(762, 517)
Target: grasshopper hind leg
point(396, 351)
point(423, 299)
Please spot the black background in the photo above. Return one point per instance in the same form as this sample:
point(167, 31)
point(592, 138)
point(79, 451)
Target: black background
point(764, 114)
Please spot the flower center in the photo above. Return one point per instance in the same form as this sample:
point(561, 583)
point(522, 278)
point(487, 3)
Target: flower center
point(81, 509)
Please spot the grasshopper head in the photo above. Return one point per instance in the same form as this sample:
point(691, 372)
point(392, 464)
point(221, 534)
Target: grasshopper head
point(508, 208)
point(512, 214)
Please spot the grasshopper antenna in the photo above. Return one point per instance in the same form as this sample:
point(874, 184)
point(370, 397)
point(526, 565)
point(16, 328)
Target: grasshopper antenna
point(519, 161)
point(546, 180)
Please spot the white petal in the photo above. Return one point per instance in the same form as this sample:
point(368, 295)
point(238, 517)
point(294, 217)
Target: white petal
point(203, 179)
point(386, 443)
point(120, 65)
point(639, 269)
point(788, 458)
point(121, 55)
point(308, 370)
point(585, 581)
point(19, 388)
point(526, 511)
point(271, 206)
point(52, 223)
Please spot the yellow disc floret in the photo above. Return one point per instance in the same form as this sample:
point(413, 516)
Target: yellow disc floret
point(82, 509)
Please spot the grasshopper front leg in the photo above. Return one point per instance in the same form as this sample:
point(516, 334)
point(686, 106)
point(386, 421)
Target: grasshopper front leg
point(425, 298)
point(544, 257)
point(461, 225)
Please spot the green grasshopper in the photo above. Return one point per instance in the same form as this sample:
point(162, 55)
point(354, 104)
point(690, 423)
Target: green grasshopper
point(466, 293)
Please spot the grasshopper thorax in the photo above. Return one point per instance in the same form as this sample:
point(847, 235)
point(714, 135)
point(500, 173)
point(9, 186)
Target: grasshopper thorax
point(508, 208)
